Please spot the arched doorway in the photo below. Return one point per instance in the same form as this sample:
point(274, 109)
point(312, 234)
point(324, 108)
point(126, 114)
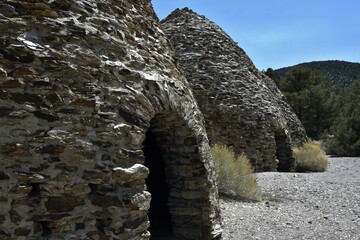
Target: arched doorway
point(283, 151)
point(178, 180)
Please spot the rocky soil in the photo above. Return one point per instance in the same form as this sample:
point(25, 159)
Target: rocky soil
point(300, 206)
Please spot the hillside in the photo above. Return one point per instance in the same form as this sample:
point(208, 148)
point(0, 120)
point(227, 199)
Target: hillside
point(340, 72)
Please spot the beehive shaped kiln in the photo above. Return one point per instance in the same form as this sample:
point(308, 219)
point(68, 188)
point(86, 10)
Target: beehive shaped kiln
point(243, 108)
point(95, 119)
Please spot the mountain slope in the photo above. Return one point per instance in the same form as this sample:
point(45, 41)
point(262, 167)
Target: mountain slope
point(340, 72)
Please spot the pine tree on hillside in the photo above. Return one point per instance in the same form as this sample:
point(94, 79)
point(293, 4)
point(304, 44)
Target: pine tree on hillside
point(308, 92)
point(345, 131)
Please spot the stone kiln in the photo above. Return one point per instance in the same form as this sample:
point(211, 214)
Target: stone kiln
point(83, 86)
point(243, 108)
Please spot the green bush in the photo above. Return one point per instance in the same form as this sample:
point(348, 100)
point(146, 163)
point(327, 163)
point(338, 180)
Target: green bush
point(345, 139)
point(310, 158)
point(235, 174)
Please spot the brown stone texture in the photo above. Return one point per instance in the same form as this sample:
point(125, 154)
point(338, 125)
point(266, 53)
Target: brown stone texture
point(81, 83)
point(243, 108)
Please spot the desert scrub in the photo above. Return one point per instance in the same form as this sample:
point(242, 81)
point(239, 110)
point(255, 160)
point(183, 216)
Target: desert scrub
point(310, 158)
point(234, 174)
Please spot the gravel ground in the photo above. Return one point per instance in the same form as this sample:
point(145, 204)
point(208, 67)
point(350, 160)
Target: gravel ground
point(300, 206)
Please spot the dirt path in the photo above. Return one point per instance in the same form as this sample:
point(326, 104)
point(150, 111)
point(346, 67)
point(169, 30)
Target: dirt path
point(300, 206)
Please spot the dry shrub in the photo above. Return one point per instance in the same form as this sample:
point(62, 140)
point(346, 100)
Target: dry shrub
point(310, 158)
point(235, 174)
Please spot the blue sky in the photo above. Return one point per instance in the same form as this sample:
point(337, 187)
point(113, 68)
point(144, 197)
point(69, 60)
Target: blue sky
point(280, 33)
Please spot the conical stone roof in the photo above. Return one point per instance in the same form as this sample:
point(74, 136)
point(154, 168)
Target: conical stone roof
point(243, 107)
point(83, 84)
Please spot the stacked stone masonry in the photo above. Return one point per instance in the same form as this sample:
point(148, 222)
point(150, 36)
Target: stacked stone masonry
point(81, 83)
point(243, 108)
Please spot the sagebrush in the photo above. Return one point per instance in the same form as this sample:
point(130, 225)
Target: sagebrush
point(310, 158)
point(234, 174)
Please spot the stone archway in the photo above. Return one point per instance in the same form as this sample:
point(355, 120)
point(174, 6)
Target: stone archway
point(283, 151)
point(176, 181)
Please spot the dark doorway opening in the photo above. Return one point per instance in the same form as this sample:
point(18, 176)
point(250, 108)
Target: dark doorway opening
point(283, 152)
point(159, 215)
